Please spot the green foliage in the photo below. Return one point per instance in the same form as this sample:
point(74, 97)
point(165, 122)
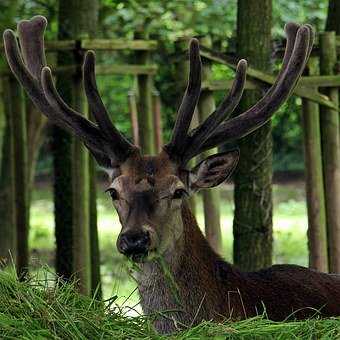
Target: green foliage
point(39, 309)
point(287, 137)
point(166, 21)
point(313, 12)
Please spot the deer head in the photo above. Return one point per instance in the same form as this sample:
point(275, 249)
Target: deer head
point(148, 191)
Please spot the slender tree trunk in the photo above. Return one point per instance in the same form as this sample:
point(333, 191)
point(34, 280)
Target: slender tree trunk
point(145, 113)
point(20, 175)
point(317, 231)
point(36, 123)
point(211, 198)
point(77, 19)
point(133, 116)
point(329, 122)
point(94, 239)
point(181, 78)
point(62, 163)
point(8, 241)
point(157, 117)
point(253, 179)
point(333, 16)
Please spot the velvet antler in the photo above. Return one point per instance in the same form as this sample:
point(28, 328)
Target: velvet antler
point(104, 141)
point(216, 130)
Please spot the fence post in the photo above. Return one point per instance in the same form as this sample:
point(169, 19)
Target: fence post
point(133, 116)
point(317, 231)
point(211, 198)
point(145, 115)
point(157, 118)
point(329, 122)
point(18, 117)
point(96, 289)
point(81, 195)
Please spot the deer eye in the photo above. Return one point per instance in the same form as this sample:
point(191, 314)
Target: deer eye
point(179, 193)
point(113, 193)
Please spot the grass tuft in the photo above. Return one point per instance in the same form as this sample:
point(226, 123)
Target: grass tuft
point(39, 309)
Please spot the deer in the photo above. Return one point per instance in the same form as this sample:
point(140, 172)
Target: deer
point(181, 279)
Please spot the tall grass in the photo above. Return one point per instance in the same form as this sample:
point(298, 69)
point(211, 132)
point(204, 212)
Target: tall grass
point(40, 309)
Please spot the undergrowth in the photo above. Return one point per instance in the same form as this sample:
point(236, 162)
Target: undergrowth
point(40, 309)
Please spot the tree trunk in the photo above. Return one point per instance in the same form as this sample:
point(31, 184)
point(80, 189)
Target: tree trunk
point(329, 122)
point(145, 113)
point(133, 116)
point(253, 178)
point(8, 241)
point(20, 174)
point(317, 231)
point(333, 16)
point(181, 79)
point(62, 163)
point(77, 19)
point(35, 133)
point(157, 118)
point(211, 198)
point(94, 239)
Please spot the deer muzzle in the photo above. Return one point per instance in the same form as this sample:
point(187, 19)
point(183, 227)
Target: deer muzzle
point(134, 244)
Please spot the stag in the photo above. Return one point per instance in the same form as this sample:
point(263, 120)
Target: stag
point(150, 192)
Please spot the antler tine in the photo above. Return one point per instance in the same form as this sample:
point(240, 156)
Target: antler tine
point(260, 113)
point(31, 71)
point(224, 110)
point(35, 60)
point(26, 78)
point(121, 145)
point(32, 44)
point(189, 101)
point(80, 125)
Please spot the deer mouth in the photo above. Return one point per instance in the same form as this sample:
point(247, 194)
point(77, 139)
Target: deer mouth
point(139, 257)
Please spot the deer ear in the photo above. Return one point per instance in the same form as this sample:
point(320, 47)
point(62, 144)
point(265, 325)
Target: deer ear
point(213, 170)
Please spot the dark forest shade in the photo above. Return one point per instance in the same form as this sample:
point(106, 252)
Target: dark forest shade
point(253, 192)
point(76, 19)
point(62, 161)
point(333, 15)
point(18, 116)
point(7, 185)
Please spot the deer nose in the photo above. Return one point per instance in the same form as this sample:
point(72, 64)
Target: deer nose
point(134, 243)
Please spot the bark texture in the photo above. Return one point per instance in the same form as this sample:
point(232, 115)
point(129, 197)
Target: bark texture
point(18, 117)
point(333, 16)
point(329, 122)
point(77, 19)
point(317, 231)
point(7, 186)
point(211, 197)
point(253, 178)
point(145, 109)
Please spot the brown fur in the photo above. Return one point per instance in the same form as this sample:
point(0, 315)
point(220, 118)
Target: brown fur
point(211, 289)
point(197, 284)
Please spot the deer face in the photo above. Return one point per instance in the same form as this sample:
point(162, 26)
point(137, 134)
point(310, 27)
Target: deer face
point(148, 193)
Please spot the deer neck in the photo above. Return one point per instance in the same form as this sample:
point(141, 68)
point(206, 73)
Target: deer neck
point(186, 280)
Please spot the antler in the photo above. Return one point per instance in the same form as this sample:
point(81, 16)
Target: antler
point(215, 130)
point(29, 67)
point(189, 101)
